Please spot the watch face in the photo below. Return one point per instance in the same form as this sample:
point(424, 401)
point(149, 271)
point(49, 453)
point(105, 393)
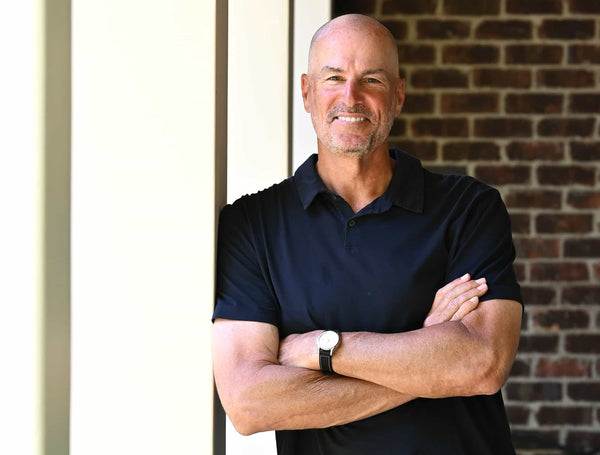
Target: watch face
point(328, 340)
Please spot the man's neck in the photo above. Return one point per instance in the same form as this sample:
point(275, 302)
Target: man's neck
point(358, 180)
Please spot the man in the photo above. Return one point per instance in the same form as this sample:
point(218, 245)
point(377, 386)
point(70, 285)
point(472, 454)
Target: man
point(359, 244)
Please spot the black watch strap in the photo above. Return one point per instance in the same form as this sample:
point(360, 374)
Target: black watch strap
point(325, 361)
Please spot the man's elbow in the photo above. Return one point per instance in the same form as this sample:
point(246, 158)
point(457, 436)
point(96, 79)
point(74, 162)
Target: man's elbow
point(494, 373)
point(244, 417)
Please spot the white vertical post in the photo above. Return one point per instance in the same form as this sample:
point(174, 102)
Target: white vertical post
point(309, 15)
point(34, 233)
point(147, 183)
point(258, 93)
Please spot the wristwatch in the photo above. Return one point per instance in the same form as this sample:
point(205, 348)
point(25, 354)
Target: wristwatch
point(327, 341)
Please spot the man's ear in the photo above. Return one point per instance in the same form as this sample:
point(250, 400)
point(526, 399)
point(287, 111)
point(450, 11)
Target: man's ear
point(400, 95)
point(304, 86)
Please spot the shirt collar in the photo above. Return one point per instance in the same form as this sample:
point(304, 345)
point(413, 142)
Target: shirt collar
point(406, 189)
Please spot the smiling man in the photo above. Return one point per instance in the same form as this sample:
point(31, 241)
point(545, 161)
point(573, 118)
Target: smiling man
point(366, 304)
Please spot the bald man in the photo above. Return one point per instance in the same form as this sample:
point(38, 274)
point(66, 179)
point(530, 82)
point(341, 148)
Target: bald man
point(366, 304)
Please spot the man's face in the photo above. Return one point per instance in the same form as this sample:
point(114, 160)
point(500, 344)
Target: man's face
point(352, 91)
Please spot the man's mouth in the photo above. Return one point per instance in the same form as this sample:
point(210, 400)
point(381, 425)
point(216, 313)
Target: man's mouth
point(350, 119)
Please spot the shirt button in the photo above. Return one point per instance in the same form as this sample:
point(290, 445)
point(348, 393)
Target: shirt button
point(351, 223)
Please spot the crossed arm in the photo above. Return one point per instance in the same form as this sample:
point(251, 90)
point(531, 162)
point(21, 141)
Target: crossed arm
point(464, 348)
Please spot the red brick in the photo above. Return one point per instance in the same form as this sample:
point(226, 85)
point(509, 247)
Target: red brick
point(532, 248)
point(559, 271)
point(538, 103)
point(565, 78)
point(436, 29)
point(584, 199)
point(533, 54)
point(563, 367)
point(436, 127)
point(585, 103)
point(503, 175)
point(534, 391)
point(398, 28)
point(409, 53)
point(353, 6)
point(585, 151)
point(583, 344)
point(531, 198)
point(517, 415)
point(582, 248)
point(470, 54)
point(565, 222)
point(550, 415)
point(556, 320)
point(423, 150)
point(529, 151)
point(504, 30)
point(581, 295)
point(469, 102)
point(584, 6)
point(566, 175)
point(521, 367)
point(475, 151)
point(584, 53)
point(585, 442)
point(567, 29)
point(547, 344)
point(502, 127)
point(418, 104)
point(502, 78)
point(407, 6)
point(480, 7)
point(520, 223)
point(538, 295)
point(555, 127)
point(398, 128)
point(439, 78)
point(584, 391)
point(534, 6)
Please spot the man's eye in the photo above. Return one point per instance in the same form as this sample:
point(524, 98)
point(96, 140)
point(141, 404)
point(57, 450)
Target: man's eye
point(334, 78)
point(372, 80)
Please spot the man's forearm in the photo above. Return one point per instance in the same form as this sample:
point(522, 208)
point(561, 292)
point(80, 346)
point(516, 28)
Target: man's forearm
point(467, 357)
point(275, 397)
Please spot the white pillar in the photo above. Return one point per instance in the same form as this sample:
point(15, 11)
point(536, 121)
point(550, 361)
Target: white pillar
point(148, 176)
point(309, 15)
point(34, 233)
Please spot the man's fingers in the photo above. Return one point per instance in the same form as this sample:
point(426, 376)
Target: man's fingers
point(456, 300)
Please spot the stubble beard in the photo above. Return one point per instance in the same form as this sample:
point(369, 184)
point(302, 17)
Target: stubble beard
point(368, 144)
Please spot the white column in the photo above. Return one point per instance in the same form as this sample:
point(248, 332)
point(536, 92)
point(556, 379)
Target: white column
point(146, 184)
point(258, 94)
point(309, 15)
point(34, 233)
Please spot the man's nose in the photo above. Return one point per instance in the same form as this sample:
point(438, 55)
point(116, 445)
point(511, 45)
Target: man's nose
point(352, 93)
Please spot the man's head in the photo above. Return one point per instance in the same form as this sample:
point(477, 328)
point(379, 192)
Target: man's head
point(352, 89)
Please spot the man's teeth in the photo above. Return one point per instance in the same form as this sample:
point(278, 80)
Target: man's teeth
point(352, 119)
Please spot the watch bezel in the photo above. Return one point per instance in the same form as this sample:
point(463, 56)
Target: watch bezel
point(323, 338)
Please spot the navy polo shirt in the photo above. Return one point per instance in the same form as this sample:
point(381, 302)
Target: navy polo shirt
point(296, 256)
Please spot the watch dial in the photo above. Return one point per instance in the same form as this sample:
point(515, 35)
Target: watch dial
point(328, 340)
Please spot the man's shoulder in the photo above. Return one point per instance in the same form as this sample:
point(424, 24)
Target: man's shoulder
point(269, 200)
point(456, 186)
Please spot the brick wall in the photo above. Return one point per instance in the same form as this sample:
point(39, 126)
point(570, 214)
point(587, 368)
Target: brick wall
point(508, 91)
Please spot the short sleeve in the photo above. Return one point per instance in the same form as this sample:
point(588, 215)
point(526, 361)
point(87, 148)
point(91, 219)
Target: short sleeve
point(481, 243)
point(242, 289)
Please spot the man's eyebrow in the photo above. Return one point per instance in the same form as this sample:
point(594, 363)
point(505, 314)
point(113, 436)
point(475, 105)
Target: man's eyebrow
point(333, 69)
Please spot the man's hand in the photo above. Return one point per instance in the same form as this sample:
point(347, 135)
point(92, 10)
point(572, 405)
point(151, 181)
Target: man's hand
point(452, 303)
point(455, 300)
